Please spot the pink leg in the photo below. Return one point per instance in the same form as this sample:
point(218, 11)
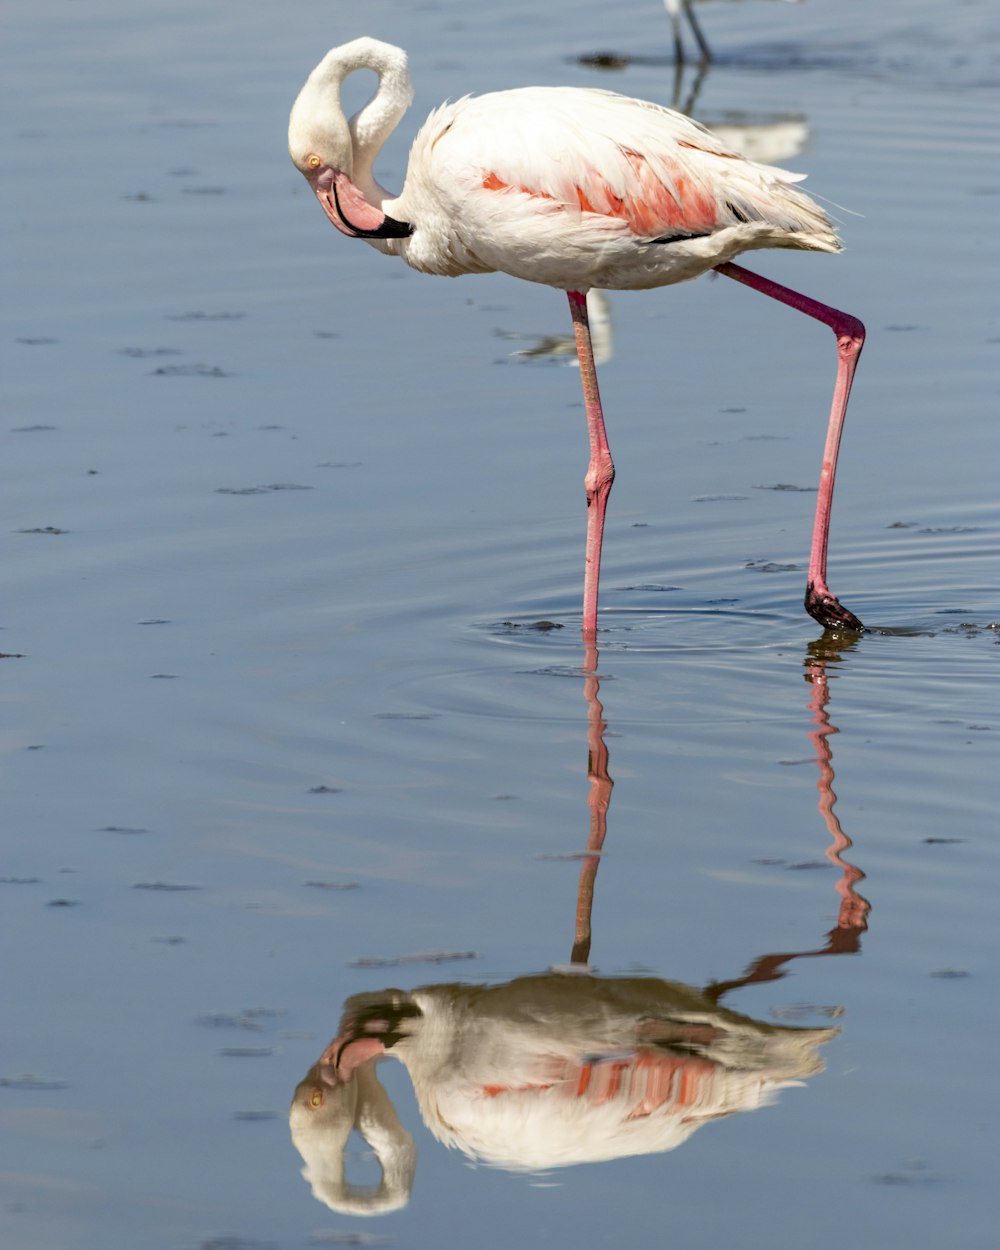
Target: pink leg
point(820, 602)
point(601, 471)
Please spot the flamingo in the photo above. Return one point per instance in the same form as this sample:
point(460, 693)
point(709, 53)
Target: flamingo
point(574, 188)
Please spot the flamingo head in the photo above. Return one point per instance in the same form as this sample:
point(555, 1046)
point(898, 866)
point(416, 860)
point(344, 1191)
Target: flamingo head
point(322, 150)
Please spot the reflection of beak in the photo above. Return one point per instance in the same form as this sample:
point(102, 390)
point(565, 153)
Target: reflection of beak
point(366, 1033)
point(348, 209)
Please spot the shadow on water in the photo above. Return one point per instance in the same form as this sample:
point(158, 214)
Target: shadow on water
point(569, 1066)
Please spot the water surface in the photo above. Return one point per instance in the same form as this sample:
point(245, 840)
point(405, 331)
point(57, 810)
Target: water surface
point(279, 516)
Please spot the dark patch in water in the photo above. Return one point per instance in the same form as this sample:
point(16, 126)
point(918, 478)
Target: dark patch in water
point(204, 316)
point(769, 566)
point(421, 957)
point(31, 1082)
point(540, 627)
point(651, 587)
point(189, 371)
point(143, 353)
point(914, 1173)
point(164, 887)
point(234, 1242)
point(229, 1020)
point(259, 490)
point(406, 715)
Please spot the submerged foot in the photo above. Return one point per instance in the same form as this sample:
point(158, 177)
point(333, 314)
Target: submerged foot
point(826, 608)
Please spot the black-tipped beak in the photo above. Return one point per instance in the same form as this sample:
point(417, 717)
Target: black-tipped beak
point(350, 212)
point(389, 228)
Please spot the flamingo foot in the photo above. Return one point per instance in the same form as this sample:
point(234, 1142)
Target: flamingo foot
point(825, 607)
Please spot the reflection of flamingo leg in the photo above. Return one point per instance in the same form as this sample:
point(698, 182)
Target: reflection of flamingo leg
point(853, 908)
point(598, 801)
point(852, 920)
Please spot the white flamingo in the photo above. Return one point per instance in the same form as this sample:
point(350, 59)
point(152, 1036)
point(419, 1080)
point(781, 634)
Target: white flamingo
point(575, 188)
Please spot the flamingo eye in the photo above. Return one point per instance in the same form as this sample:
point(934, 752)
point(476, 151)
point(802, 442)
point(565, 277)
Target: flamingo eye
point(316, 1098)
point(313, 161)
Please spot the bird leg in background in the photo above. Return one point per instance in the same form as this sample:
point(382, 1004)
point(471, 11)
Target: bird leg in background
point(702, 42)
point(601, 470)
point(820, 602)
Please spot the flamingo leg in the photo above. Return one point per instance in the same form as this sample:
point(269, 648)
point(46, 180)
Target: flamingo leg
point(601, 470)
point(820, 602)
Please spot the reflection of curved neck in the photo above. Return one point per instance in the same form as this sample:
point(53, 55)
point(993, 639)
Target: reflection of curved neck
point(361, 1104)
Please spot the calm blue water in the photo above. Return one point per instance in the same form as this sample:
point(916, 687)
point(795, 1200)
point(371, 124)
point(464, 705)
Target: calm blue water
point(277, 516)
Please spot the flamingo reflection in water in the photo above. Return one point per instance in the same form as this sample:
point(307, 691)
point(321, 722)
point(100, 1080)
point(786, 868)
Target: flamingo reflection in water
point(564, 1067)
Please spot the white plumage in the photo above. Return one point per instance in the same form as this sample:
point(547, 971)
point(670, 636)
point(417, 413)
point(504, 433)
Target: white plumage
point(571, 187)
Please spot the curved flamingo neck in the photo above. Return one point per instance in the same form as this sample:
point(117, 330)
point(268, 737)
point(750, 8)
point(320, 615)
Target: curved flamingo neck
point(375, 121)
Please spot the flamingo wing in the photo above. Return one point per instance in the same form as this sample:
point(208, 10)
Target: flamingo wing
point(648, 169)
point(559, 185)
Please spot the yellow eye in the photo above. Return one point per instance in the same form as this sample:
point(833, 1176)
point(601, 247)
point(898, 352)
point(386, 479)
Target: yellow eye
point(316, 1098)
point(314, 162)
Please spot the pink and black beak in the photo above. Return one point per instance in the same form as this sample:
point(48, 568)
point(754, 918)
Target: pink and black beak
point(366, 1033)
point(348, 209)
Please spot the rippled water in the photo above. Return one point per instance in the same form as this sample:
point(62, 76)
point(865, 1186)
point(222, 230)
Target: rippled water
point(279, 726)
